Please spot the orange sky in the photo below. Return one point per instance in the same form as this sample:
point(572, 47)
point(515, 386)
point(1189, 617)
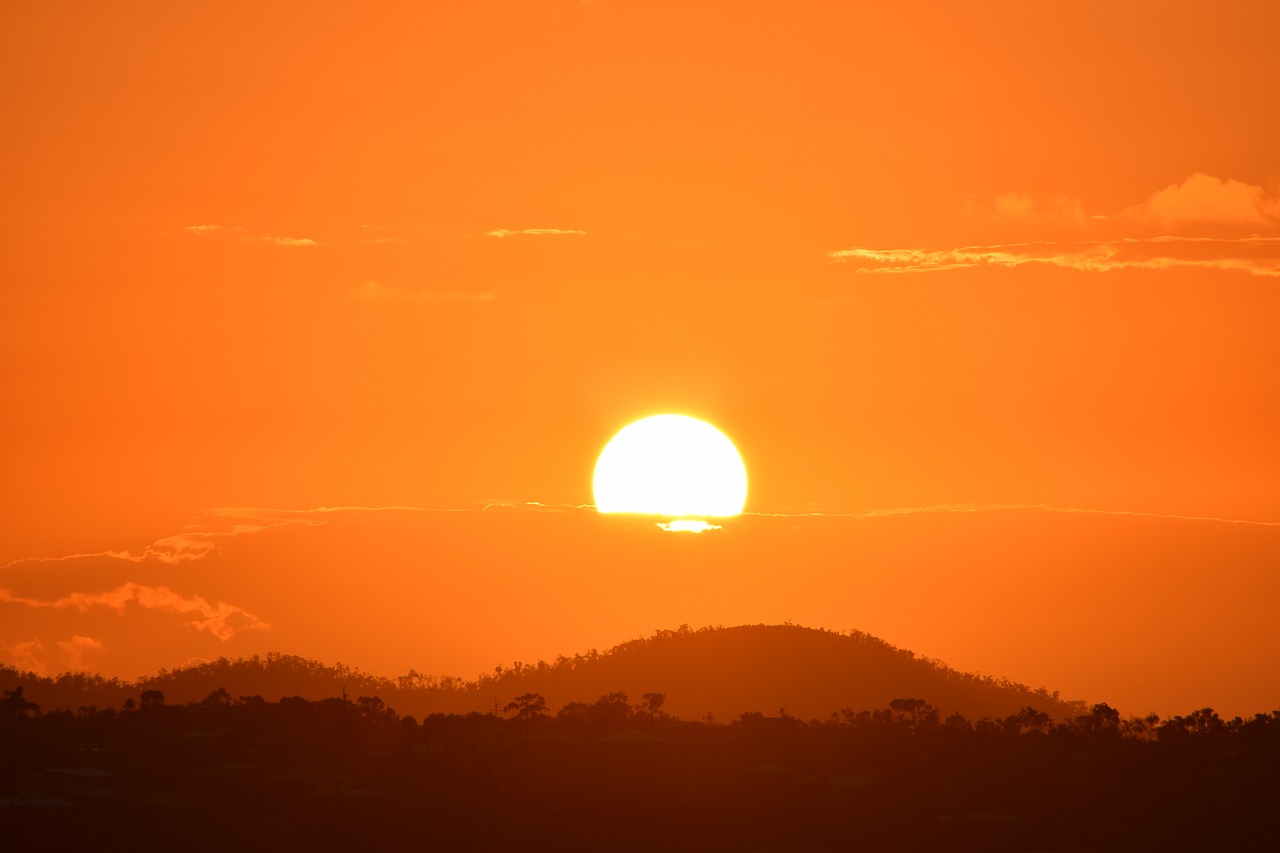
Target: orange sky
point(304, 255)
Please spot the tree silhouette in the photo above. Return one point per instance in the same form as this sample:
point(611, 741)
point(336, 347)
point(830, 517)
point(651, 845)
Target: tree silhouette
point(574, 712)
point(652, 704)
point(1204, 723)
point(530, 706)
point(15, 705)
point(612, 709)
point(218, 698)
point(1102, 719)
point(372, 707)
point(1027, 720)
point(914, 713)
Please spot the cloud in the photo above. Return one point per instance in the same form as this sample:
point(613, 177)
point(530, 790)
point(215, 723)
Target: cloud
point(1200, 199)
point(221, 619)
point(28, 655)
point(203, 538)
point(531, 506)
point(241, 233)
point(534, 232)
point(1223, 207)
point(288, 241)
point(195, 543)
point(972, 508)
point(32, 656)
point(179, 548)
point(214, 229)
point(284, 516)
point(1018, 207)
point(1205, 200)
point(76, 648)
point(1253, 255)
point(371, 292)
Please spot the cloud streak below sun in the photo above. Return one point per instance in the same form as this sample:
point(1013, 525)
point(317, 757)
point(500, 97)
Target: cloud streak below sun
point(196, 544)
point(974, 508)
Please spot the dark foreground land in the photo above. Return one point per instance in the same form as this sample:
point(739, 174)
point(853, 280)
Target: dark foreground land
point(226, 773)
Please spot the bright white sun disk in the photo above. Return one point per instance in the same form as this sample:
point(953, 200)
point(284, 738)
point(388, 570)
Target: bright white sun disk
point(671, 465)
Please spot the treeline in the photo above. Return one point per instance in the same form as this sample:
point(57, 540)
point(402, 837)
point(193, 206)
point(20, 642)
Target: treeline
point(241, 772)
point(721, 671)
point(530, 714)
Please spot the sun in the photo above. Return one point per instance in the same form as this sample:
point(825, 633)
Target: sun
point(673, 466)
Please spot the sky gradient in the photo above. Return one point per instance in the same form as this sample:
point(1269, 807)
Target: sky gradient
point(294, 256)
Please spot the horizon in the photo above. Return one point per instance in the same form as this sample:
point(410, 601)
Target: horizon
point(317, 323)
point(918, 559)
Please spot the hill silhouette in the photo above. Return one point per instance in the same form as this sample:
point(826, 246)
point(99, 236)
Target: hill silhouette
point(811, 673)
point(721, 672)
point(225, 772)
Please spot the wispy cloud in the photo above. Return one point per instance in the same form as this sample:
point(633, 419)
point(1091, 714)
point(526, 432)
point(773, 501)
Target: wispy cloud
point(532, 506)
point(975, 508)
point(195, 543)
point(277, 515)
point(1205, 200)
point(27, 655)
point(289, 241)
point(534, 232)
point(1022, 208)
point(204, 536)
point(171, 550)
point(221, 619)
point(77, 648)
point(214, 229)
point(1254, 255)
point(241, 233)
point(371, 292)
point(1239, 219)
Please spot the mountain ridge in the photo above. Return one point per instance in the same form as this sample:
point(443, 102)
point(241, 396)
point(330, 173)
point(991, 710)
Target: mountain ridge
point(708, 673)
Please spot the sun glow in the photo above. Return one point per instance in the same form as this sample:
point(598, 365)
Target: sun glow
point(673, 466)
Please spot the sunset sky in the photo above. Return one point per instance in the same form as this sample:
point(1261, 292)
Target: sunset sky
point(987, 295)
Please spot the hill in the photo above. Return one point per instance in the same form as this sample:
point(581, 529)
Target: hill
point(721, 672)
point(810, 673)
